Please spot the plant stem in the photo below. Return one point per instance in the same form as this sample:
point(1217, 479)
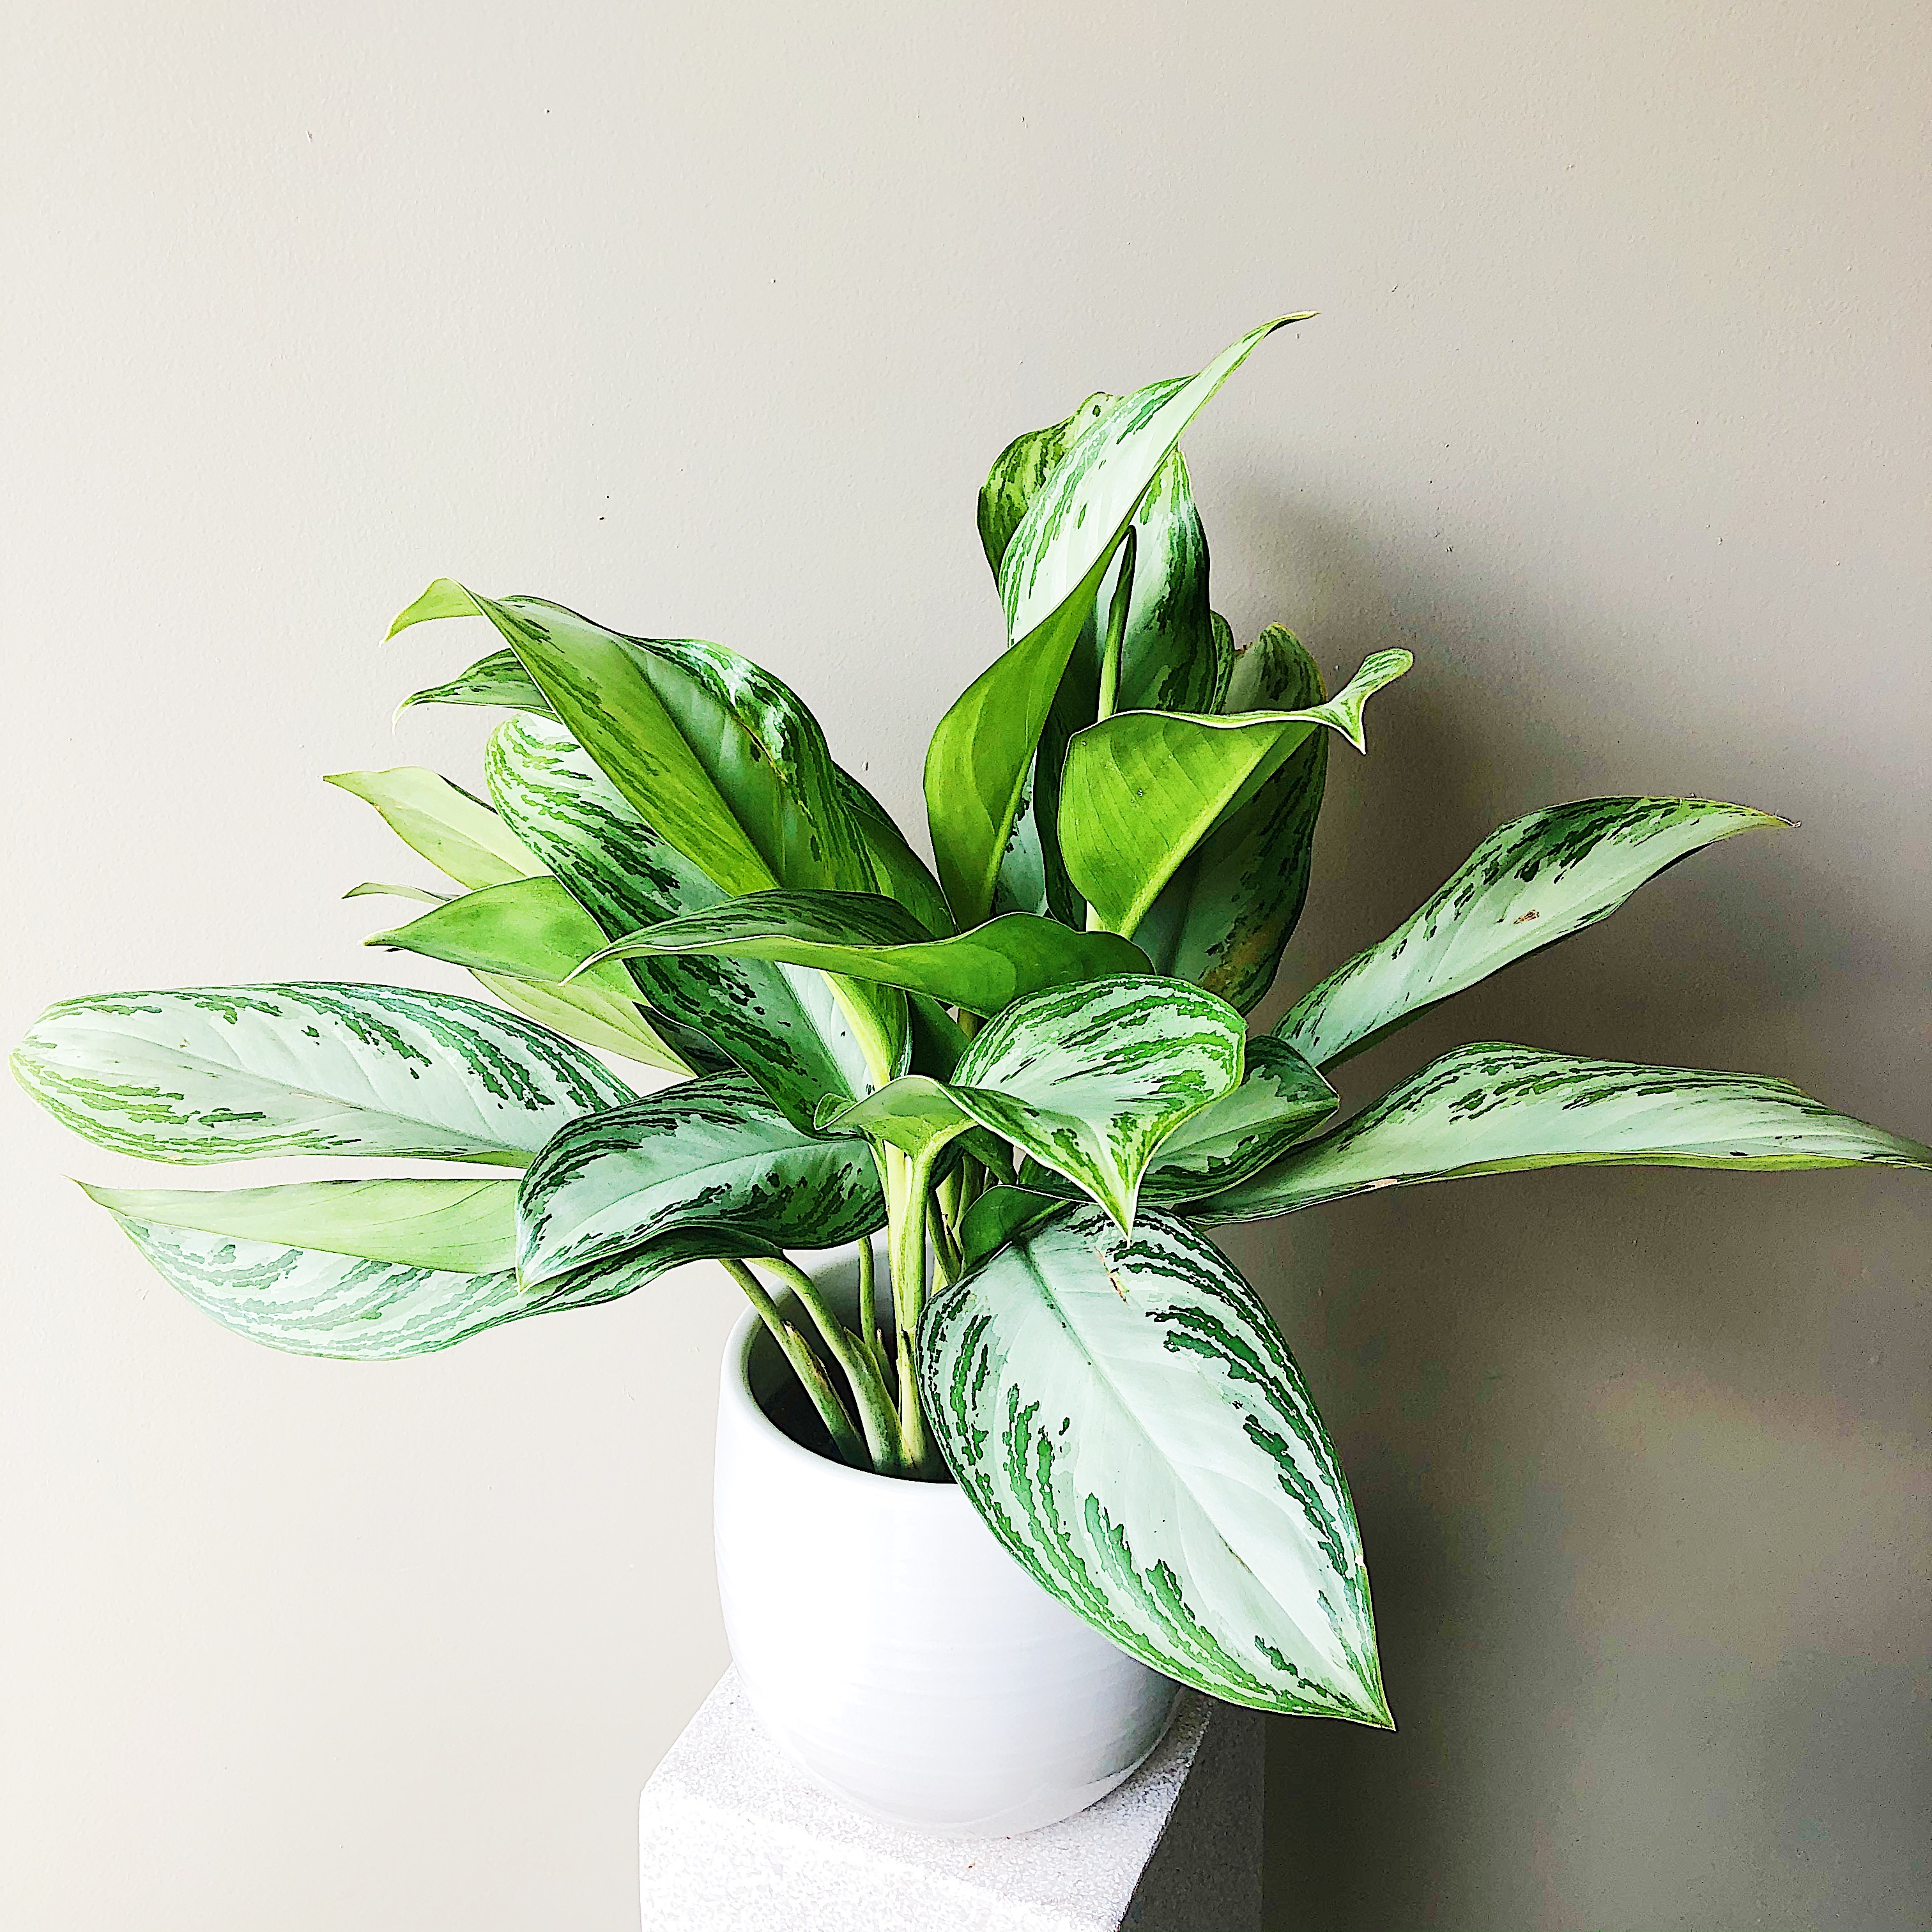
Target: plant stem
point(806, 1366)
point(914, 1188)
point(1116, 629)
point(868, 1294)
point(868, 1391)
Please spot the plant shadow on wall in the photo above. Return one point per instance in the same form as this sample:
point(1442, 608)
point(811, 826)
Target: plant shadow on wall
point(1032, 1068)
point(1543, 1389)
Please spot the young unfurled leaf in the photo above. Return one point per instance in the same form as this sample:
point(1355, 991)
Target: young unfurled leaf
point(1142, 789)
point(1050, 573)
point(1536, 879)
point(865, 936)
point(1129, 1423)
point(220, 1073)
point(1492, 1109)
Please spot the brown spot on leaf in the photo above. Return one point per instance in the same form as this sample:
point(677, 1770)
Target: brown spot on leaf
point(1525, 919)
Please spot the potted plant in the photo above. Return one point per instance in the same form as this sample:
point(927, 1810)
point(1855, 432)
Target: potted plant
point(983, 1504)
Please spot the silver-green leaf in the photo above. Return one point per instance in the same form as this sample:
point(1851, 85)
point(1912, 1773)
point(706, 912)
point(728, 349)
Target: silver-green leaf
point(1533, 881)
point(1129, 1423)
point(713, 1154)
point(1493, 1109)
point(221, 1073)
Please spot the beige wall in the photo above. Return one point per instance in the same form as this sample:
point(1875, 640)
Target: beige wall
point(710, 319)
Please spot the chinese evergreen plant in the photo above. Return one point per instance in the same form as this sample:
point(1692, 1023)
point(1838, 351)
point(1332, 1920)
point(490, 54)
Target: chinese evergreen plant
point(1032, 1071)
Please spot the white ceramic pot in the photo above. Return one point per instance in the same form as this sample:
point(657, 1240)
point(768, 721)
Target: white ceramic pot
point(894, 1650)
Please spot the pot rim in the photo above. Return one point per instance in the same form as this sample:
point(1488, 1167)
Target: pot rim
point(735, 1387)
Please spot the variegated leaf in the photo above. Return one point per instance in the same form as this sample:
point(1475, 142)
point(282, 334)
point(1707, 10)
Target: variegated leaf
point(1129, 1423)
point(1492, 1109)
point(783, 1024)
point(1536, 879)
point(713, 1154)
point(220, 1073)
point(865, 936)
point(1281, 1100)
point(1143, 788)
point(1089, 1080)
point(1050, 574)
point(498, 681)
point(1226, 917)
point(715, 754)
point(602, 1020)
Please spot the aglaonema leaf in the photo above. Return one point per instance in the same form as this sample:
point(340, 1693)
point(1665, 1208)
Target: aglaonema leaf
point(782, 1025)
point(221, 1073)
point(498, 681)
point(1089, 1080)
point(1227, 914)
point(713, 1155)
point(1129, 1423)
point(469, 841)
point(1051, 572)
point(1534, 881)
point(865, 936)
point(1492, 1109)
point(716, 755)
point(1143, 788)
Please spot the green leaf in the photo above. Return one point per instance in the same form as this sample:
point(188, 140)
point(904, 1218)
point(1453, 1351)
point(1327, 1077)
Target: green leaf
point(1143, 788)
point(718, 757)
point(1050, 574)
point(714, 1154)
point(465, 1227)
point(601, 1020)
point(1492, 1109)
point(1226, 917)
point(1001, 1215)
point(315, 1300)
point(456, 833)
point(1280, 1100)
point(1536, 879)
point(899, 872)
point(865, 937)
point(498, 681)
point(374, 889)
point(1020, 470)
point(223, 1073)
point(782, 1025)
point(1129, 1423)
point(527, 929)
point(1089, 1080)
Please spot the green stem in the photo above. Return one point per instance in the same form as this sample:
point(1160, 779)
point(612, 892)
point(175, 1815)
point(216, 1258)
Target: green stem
point(806, 1366)
point(1116, 629)
point(868, 1391)
point(914, 1188)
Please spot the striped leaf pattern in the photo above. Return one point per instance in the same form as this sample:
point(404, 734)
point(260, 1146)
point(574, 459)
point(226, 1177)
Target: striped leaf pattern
point(1537, 879)
point(1281, 1100)
point(1129, 1423)
point(1088, 1080)
point(220, 1073)
point(1226, 917)
point(782, 1025)
point(711, 1155)
point(1050, 571)
point(1492, 1109)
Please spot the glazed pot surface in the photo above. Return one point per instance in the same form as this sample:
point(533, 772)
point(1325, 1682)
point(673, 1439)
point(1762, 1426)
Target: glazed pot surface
point(895, 1651)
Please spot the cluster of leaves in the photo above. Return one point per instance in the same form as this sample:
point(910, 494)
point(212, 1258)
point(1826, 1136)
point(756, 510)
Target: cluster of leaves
point(1033, 1071)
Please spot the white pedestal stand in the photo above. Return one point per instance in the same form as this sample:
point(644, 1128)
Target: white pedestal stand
point(732, 1838)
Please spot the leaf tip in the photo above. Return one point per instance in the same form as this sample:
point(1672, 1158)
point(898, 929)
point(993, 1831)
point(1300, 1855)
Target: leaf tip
point(445, 598)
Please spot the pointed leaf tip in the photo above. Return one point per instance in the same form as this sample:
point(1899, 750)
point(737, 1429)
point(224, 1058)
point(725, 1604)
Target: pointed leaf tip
point(445, 598)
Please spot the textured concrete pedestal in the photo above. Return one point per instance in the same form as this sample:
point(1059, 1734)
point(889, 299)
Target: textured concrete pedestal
point(733, 1838)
